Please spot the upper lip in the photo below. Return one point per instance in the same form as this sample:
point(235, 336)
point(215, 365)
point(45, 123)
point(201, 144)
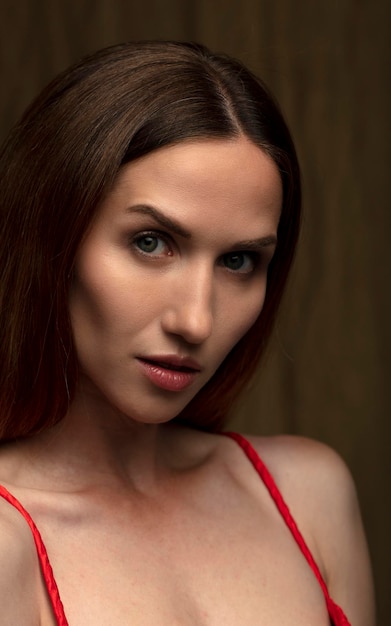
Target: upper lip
point(173, 360)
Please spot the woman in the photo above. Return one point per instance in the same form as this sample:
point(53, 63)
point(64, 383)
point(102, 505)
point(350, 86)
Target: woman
point(150, 208)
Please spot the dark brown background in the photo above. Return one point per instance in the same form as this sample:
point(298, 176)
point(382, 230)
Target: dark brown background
point(327, 375)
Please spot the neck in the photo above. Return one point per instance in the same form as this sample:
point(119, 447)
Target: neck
point(94, 445)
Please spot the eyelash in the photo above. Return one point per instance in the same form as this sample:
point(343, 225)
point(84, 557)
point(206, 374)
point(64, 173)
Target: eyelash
point(153, 234)
point(253, 257)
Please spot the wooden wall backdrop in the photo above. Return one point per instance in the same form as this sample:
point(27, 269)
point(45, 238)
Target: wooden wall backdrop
point(327, 375)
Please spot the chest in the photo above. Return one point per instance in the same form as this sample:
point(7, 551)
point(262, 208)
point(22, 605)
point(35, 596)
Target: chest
point(184, 566)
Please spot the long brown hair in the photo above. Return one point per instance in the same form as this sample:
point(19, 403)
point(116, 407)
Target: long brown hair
point(55, 169)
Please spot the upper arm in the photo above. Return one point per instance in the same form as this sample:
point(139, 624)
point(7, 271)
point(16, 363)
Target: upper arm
point(19, 572)
point(342, 542)
point(321, 495)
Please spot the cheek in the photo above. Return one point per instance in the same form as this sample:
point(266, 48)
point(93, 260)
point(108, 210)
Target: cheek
point(97, 315)
point(103, 298)
point(88, 308)
point(240, 318)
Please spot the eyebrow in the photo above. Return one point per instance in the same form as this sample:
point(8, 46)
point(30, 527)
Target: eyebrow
point(161, 219)
point(175, 227)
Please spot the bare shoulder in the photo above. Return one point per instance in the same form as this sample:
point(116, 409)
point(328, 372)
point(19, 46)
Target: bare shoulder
point(307, 467)
point(19, 570)
point(320, 492)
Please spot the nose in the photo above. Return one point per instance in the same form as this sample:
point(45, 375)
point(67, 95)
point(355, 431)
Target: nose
point(188, 312)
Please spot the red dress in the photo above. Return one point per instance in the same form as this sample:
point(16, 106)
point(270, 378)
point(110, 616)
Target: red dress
point(336, 614)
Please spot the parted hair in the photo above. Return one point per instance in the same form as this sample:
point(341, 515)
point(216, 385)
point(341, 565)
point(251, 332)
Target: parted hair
point(56, 167)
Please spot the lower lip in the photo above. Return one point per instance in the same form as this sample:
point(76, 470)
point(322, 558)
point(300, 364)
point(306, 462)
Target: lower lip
point(171, 380)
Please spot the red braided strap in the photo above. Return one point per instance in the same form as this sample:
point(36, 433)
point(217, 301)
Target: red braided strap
point(335, 612)
point(46, 568)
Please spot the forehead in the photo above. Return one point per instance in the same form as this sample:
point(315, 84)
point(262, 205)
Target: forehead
point(224, 182)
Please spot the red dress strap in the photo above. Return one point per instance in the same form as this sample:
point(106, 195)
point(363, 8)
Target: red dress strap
point(46, 568)
point(335, 612)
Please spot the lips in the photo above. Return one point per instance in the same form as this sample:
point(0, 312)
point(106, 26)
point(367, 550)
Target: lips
point(170, 372)
point(174, 362)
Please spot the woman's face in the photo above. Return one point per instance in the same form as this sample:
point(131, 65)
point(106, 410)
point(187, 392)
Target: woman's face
point(173, 273)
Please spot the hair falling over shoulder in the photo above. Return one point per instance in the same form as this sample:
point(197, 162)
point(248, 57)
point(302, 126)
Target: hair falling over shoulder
point(58, 163)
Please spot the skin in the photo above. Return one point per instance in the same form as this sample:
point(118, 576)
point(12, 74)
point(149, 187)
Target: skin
point(161, 525)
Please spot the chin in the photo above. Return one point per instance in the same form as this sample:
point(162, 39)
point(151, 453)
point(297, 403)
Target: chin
point(151, 413)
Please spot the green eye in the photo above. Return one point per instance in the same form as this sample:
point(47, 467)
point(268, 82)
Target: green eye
point(241, 262)
point(147, 243)
point(151, 244)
